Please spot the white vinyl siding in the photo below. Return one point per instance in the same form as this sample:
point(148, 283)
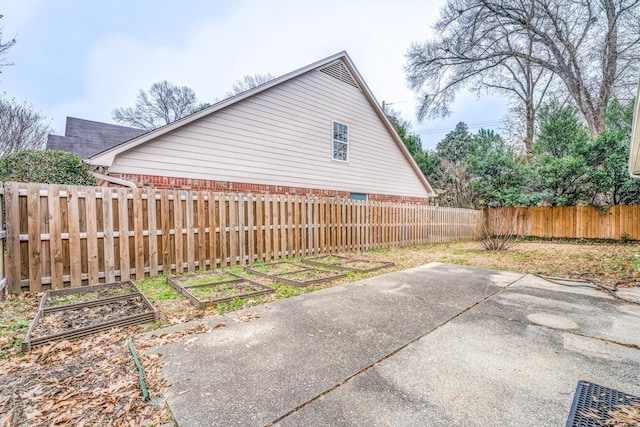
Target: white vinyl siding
point(280, 137)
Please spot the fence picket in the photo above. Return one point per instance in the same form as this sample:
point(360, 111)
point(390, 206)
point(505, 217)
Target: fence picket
point(35, 246)
point(55, 237)
point(92, 235)
point(152, 225)
point(165, 226)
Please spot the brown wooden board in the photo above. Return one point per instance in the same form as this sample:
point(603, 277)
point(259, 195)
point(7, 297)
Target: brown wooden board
point(147, 313)
point(347, 264)
point(237, 283)
point(300, 277)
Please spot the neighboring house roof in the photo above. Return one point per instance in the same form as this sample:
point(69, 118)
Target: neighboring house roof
point(634, 158)
point(87, 138)
point(329, 66)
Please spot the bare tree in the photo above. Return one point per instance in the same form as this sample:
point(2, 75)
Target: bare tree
point(21, 128)
point(248, 82)
point(165, 103)
point(4, 47)
point(591, 47)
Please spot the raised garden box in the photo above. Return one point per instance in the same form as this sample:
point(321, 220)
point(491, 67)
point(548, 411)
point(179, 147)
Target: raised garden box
point(293, 274)
point(202, 289)
point(347, 264)
point(77, 312)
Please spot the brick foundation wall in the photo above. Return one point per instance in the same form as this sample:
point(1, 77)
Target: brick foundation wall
point(240, 187)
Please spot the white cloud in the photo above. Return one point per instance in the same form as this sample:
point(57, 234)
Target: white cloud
point(253, 37)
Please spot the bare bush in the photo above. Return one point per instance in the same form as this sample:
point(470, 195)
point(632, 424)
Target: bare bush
point(500, 229)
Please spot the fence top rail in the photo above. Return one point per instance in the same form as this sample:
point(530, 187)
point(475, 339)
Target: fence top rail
point(145, 192)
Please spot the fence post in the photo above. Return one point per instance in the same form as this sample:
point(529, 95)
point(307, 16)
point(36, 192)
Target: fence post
point(14, 273)
point(3, 236)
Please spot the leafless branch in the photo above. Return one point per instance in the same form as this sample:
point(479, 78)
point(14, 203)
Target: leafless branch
point(21, 128)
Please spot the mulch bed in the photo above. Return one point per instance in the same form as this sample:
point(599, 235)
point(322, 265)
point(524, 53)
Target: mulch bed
point(105, 291)
point(87, 382)
point(73, 318)
point(293, 274)
point(75, 312)
point(216, 287)
point(347, 263)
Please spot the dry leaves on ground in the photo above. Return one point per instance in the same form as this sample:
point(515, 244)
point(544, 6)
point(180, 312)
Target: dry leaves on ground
point(92, 381)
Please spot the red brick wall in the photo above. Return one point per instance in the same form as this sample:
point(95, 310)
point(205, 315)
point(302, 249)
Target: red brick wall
point(240, 187)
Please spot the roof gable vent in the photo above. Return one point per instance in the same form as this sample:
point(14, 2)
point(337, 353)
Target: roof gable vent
point(339, 71)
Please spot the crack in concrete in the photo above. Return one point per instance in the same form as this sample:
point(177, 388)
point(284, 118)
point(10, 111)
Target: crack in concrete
point(394, 352)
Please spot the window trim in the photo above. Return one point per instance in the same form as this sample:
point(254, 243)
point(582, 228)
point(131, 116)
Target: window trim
point(333, 141)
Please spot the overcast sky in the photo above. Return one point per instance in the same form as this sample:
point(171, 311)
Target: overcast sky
point(84, 58)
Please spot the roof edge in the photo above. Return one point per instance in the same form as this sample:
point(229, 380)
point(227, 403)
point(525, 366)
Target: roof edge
point(106, 157)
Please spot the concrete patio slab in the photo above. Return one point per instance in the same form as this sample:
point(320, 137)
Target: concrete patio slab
point(434, 345)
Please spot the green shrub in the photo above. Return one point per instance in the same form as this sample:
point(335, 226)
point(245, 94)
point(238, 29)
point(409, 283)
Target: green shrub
point(48, 166)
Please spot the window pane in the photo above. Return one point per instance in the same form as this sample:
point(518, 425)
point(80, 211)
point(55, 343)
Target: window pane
point(340, 132)
point(339, 150)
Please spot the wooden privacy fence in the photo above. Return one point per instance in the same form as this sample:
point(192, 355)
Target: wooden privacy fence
point(616, 222)
point(66, 236)
point(3, 236)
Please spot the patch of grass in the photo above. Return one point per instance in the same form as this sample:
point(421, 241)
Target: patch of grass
point(16, 313)
point(157, 289)
point(19, 324)
point(330, 259)
point(235, 304)
point(286, 291)
point(454, 260)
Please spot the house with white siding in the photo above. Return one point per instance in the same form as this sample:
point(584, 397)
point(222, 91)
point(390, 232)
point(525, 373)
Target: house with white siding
point(317, 130)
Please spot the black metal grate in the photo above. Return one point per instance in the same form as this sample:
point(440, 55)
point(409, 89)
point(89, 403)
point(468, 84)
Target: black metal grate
point(592, 404)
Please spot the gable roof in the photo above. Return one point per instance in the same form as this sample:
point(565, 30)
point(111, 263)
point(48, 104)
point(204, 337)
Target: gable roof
point(86, 138)
point(332, 65)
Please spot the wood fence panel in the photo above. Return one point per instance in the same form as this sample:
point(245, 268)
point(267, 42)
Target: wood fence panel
point(152, 226)
point(12, 205)
point(108, 234)
point(233, 230)
point(58, 236)
point(123, 234)
point(266, 212)
point(75, 259)
point(138, 233)
point(165, 227)
point(615, 222)
point(284, 249)
point(3, 238)
point(33, 213)
point(252, 230)
point(92, 235)
point(222, 221)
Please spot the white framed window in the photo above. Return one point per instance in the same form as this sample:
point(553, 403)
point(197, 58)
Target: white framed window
point(340, 142)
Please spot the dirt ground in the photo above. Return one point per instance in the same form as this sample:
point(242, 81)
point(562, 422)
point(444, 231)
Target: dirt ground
point(94, 380)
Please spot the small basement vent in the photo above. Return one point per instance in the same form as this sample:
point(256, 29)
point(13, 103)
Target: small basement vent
point(339, 71)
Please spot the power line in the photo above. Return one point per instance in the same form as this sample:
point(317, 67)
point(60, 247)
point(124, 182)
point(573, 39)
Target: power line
point(446, 129)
